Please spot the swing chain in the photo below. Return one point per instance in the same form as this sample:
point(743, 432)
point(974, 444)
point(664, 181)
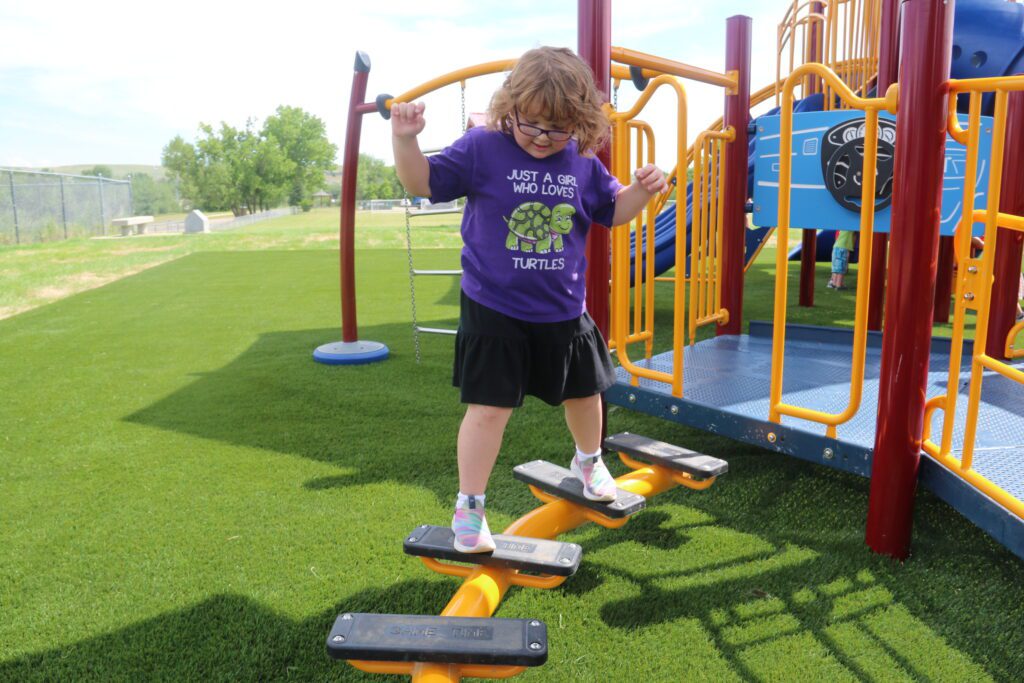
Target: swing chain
point(412, 276)
point(463, 83)
point(615, 96)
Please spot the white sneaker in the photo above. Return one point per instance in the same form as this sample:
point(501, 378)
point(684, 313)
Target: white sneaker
point(471, 532)
point(597, 480)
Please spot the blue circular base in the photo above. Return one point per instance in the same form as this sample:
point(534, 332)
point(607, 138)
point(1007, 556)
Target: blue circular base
point(350, 353)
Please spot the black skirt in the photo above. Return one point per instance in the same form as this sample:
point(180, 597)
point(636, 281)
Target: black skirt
point(500, 359)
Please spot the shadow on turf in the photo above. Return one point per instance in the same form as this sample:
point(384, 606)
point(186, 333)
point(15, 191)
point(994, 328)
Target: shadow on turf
point(397, 421)
point(387, 421)
point(225, 637)
point(826, 592)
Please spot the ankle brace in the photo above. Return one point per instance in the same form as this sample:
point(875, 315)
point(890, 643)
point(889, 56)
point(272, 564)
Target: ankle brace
point(472, 501)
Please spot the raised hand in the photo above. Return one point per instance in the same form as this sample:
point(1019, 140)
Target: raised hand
point(407, 119)
point(651, 179)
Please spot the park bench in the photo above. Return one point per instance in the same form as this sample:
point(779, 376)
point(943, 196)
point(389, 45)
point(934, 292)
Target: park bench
point(136, 224)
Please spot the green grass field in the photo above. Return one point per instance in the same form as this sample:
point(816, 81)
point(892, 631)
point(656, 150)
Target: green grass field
point(186, 495)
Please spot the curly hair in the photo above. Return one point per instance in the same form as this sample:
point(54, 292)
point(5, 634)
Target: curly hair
point(559, 85)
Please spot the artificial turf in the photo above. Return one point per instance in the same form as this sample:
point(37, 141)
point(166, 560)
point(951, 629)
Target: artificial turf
point(186, 495)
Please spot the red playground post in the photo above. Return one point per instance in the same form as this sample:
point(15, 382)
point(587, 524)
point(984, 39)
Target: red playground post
point(809, 239)
point(351, 351)
point(920, 152)
point(734, 200)
point(594, 44)
point(944, 280)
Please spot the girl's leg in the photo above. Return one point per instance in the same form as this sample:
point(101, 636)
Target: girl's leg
point(479, 442)
point(583, 416)
point(478, 446)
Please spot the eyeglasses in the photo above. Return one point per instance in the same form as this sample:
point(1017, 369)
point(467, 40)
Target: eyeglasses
point(533, 131)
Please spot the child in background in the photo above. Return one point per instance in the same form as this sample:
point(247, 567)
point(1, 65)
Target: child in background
point(533, 188)
point(841, 258)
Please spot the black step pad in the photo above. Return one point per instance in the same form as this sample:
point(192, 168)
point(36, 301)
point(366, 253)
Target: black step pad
point(697, 465)
point(560, 482)
point(512, 552)
point(445, 640)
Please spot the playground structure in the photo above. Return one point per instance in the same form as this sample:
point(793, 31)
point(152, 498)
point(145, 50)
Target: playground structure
point(886, 406)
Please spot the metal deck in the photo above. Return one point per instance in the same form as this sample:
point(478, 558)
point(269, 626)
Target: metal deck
point(727, 383)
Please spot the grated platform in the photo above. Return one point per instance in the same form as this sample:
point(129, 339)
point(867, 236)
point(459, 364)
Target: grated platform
point(727, 385)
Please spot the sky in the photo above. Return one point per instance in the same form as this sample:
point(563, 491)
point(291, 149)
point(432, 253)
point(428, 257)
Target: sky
point(113, 82)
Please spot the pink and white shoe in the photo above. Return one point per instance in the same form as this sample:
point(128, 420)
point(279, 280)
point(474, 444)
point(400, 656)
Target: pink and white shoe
point(598, 483)
point(471, 532)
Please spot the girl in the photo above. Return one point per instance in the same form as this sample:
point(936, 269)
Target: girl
point(533, 188)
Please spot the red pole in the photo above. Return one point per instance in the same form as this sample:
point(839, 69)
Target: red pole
point(809, 240)
point(349, 172)
point(594, 40)
point(1009, 243)
point(888, 73)
point(944, 280)
point(734, 219)
point(917, 199)
point(808, 259)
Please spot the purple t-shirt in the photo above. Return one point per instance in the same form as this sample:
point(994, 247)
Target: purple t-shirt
point(526, 221)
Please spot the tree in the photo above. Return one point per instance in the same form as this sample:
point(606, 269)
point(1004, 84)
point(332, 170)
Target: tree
point(99, 170)
point(250, 169)
point(375, 180)
point(334, 189)
point(151, 197)
point(203, 169)
point(302, 138)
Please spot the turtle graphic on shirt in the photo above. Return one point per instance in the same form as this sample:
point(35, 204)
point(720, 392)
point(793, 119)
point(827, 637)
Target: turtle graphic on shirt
point(535, 227)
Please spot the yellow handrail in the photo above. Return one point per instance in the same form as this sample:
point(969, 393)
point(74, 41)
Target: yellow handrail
point(451, 78)
point(643, 276)
point(871, 107)
point(974, 286)
point(787, 35)
point(968, 267)
point(671, 67)
point(1012, 352)
point(620, 239)
point(643, 271)
point(705, 230)
point(847, 42)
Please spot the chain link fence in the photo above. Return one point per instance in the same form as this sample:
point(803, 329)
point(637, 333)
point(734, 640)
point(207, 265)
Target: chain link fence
point(43, 207)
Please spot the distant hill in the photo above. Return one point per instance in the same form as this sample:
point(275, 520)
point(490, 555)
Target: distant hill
point(120, 170)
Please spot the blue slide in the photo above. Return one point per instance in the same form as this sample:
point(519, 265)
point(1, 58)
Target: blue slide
point(665, 223)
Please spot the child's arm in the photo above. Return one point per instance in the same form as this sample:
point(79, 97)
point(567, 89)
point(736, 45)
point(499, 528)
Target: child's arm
point(410, 165)
point(632, 199)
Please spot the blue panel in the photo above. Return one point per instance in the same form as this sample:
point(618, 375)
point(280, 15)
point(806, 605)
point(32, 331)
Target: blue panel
point(814, 206)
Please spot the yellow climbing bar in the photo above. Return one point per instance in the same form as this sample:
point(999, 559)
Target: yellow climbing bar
point(1011, 350)
point(453, 77)
point(705, 231)
point(660, 65)
point(620, 300)
point(974, 287)
point(871, 107)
